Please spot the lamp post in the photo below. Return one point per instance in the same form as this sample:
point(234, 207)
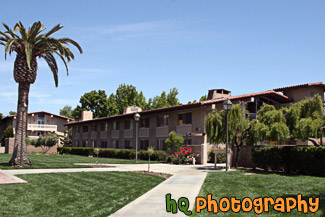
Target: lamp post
point(23, 109)
point(227, 106)
point(136, 118)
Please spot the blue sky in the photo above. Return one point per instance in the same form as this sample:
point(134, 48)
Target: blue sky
point(244, 46)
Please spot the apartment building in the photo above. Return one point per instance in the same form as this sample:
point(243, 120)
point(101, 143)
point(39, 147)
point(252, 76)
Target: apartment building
point(38, 123)
point(186, 119)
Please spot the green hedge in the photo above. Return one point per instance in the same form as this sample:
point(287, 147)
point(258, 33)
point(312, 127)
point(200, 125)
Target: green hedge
point(114, 153)
point(309, 160)
point(221, 158)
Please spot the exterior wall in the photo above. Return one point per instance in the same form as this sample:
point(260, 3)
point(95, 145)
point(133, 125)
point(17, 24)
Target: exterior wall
point(9, 147)
point(301, 93)
point(153, 133)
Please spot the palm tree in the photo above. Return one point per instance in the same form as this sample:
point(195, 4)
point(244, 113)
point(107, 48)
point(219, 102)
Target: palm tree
point(32, 43)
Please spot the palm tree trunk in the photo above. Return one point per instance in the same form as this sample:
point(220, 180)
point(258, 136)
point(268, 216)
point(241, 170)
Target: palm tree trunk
point(19, 156)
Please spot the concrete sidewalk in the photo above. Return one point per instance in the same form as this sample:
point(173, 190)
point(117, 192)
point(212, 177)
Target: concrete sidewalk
point(153, 203)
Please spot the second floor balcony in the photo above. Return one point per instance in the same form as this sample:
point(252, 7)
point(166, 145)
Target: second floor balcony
point(42, 127)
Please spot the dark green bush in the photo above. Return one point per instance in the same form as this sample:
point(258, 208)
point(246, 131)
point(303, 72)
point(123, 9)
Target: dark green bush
point(114, 153)
point(221, 158)
point(309, 160)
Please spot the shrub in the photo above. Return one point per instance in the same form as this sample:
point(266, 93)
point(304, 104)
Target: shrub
point(183, 156)
point(114, 153)
point(307, 160)
point(8, 133)
point(45, 142)
point(221, 158)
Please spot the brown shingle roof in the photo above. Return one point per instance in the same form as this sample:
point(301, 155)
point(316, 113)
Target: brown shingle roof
point(60, 116)
point(317, 84)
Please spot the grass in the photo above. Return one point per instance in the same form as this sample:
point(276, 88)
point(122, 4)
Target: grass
point(73, 194)
point(254, 185)
point(63, 161)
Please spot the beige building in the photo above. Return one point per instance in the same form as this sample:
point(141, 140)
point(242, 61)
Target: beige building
point(38, 123)
point(186, 119)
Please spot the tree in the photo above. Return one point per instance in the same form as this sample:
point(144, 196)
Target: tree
point(203, 98)
point(66, 140)
point(45, 142)
point(238, 128)
point(12, 113)
point(32, 43)
point(127, 95)
point(150, 152)
point(164, 100)
point(76, 113)
point(66, 111)
point(95, 101)
point(1, 116)
point(7, 133)
point(305, 118)
point(174, 141)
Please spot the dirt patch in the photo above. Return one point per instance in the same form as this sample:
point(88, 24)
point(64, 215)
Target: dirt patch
point(99, 166)
point(164, 175)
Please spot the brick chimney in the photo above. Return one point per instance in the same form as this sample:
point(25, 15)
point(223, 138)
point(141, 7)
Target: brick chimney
point(86, 115)
point(218, 93)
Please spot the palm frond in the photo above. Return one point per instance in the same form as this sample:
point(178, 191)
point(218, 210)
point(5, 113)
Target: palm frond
point(63, 60)
point(68, 40)
point(53, 30)
point(49, 58)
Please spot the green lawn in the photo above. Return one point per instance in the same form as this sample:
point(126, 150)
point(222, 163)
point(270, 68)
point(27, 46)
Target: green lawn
point(63, 161)
point(239, 185)
point(73, 194)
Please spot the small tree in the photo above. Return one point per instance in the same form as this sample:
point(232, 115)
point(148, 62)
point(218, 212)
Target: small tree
point(150, 152)
point(66, 140)
point(174, 141)
point(8, 133)
point(46, 142)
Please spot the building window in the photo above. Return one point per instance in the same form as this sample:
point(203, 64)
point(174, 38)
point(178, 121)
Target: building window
point(41, 118)
point(94, 144)
point(144, 144)
point(187, 142)
point(77, 143)
point(161, 145)
point(78, 129)
point(116, 144)
point(94, 128)
point(185, 118)
point(162, 120)
point(103, 126)
point(144, 123)
point(128, 144)
point(116, 125)
point(103, 144)
point(128, 124)
point(84, 143)
point(85, 129)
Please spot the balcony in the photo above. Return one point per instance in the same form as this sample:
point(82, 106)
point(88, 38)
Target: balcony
point(42, 127)
point(143, 132)
point(183, 129)
point(162, 131)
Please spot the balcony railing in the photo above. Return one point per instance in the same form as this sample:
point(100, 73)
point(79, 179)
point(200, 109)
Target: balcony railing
point(42, 127)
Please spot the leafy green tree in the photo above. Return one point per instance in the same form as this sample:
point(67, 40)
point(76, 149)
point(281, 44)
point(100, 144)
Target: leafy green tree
point(238, 128)
point(95, 101)
point(203, 98)
point(112, 107)
point(305, 118)
point(127, 95)
point(66, 140)
point(46, 141)
point(1, 116)
point(30, 44)
point(76, 113)
point(150, 152)
point(7, 133)
point(174, 141)
point(164, 100)
point(66, 111)
point(172, 99)
point(12, 113)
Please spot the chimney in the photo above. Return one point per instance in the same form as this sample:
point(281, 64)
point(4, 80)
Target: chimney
point(218, 93)
point(86, 115)
point(132, 109)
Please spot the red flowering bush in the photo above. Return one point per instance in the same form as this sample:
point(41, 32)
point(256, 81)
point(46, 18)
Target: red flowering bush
point(183, 156)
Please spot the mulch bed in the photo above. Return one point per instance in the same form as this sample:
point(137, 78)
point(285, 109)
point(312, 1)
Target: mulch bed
point(164, 175)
